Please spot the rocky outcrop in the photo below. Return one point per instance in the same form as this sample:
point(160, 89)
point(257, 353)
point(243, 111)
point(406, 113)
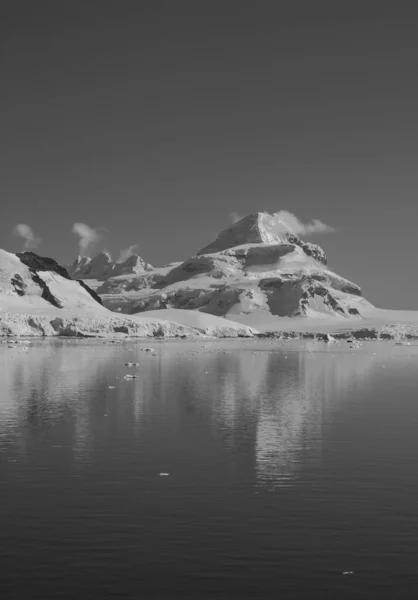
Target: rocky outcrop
point(309, 249)
point(40, 282)
point(36, 263)
point(92, 293)
point(41, 263)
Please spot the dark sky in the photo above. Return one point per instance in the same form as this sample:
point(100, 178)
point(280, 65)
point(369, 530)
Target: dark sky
point(155, 120)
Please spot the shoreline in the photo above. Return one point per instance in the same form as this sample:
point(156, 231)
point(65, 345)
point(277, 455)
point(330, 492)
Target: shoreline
point(389, 333)
point(189, 325)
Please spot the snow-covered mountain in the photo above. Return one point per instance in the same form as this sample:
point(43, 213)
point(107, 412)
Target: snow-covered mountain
point(102, 267)
point(38, 297)
point(261, 228)
point(31, 281)
point(254, 277)
point(254, 267)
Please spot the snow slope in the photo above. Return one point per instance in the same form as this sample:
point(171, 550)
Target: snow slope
point(256, 274)
point(278, 279)
point(261, 228)
point(38, 297)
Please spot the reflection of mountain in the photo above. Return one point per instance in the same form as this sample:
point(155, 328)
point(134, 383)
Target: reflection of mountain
point(49, 385)
point(264, 409)
point(292, 415)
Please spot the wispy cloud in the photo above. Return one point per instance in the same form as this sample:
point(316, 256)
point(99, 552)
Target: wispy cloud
point(290, 223)
point(27, 234)
point(88, 236)
point(127, 252)
point(234, 217)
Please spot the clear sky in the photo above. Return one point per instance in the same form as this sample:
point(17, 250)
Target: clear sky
point(157, 119)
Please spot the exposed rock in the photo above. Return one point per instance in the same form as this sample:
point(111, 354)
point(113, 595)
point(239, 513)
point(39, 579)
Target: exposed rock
point(18, 284)
point(29, 280)
point(36, 264)
point(42, 263)
point(90, 291)
point(46, 292)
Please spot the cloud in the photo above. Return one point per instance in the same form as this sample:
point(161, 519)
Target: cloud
point(288, 222)
point(27, 234)
point(126, 253)
point(88, 236)
point(234, 217)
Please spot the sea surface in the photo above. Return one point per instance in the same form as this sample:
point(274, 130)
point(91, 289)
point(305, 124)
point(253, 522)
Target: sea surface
point(234, 469)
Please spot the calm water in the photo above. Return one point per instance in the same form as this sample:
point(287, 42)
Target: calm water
point(288, 465)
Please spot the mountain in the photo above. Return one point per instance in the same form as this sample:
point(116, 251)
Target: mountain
point(252, 270)
point(38, 297)
point(36, 282)
point(261, 228)
point(102, 267)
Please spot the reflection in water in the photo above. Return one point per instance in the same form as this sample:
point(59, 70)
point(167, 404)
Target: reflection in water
point(268, 404)
point(82, 449)
point(303, 388)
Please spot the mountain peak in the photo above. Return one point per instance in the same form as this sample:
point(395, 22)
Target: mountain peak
point(261, 228)
point(102, 267)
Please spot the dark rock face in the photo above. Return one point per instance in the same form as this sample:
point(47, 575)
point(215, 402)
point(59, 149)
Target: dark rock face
point(42, 263)
point(309, 249)
point(328, 298)
point(37, 263)
point(90, 291)
point(18, 284)
point(46, 292)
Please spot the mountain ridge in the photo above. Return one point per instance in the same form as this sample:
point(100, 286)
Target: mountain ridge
point(102, 267)
point(254, 264)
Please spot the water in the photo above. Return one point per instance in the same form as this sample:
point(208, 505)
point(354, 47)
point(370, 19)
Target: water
point(289, 464)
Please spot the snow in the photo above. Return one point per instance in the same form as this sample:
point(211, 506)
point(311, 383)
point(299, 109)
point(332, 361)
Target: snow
point(24, 312)
point(101, 267)
point(263, 228)
point(397, 323)
point(253, 278)
point(61, 322)
point(206, 323)
point(279, 279)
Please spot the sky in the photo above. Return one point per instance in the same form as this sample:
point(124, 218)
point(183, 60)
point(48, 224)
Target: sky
point(153, 121)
